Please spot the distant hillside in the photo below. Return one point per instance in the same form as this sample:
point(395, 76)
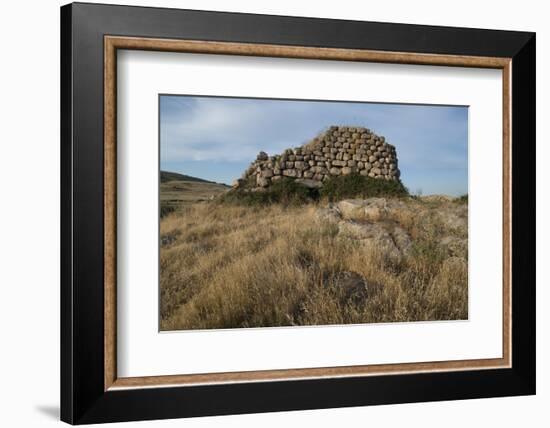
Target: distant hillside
point(166, 176)
point(178, 190)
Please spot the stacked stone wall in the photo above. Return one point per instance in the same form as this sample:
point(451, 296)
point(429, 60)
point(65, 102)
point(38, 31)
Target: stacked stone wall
point(340, 150)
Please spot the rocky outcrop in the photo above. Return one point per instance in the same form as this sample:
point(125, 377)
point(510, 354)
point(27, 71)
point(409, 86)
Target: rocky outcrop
point(365, 220)
point(382, 223)
point(340, 150)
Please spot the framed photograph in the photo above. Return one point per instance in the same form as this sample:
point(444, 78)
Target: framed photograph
point(266, 213)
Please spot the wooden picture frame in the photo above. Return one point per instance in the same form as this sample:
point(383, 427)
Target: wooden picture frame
point(91, 390)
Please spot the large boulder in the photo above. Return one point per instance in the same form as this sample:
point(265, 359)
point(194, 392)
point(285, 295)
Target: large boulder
point(375, 209)
point(371, 209)
point(309, 183)
point(351, 208)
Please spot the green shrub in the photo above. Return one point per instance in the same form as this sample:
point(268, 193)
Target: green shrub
point(359, 186)
point(166, 209)
point(285, 191)
point(462, 199)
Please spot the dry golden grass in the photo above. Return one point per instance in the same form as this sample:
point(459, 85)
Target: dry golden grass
point(177, 193)
point(227, 266)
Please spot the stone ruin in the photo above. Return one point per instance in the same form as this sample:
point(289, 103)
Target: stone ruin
point(340, 150)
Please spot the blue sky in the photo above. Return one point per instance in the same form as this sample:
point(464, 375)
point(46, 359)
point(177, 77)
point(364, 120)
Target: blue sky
point(216, 138)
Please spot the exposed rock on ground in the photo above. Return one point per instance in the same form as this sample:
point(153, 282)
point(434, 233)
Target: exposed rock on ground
point(328, 214)
point(402, 240)
point(378, 223)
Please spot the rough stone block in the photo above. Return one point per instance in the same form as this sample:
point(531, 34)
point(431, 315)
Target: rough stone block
point(262, 181)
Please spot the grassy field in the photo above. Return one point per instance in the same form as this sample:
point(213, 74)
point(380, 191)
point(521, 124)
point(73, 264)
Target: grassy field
point(177, 190)
point(227, 265)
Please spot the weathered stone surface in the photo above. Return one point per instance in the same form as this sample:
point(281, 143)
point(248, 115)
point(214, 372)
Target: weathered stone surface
point(312, 184)
point(329, 214)
point(262, 181)
point(376, 171)
point(402, 240)
point(347, 170)
point(351, 208)
point(373, 235)
point(375, 209)
point(382, 225)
